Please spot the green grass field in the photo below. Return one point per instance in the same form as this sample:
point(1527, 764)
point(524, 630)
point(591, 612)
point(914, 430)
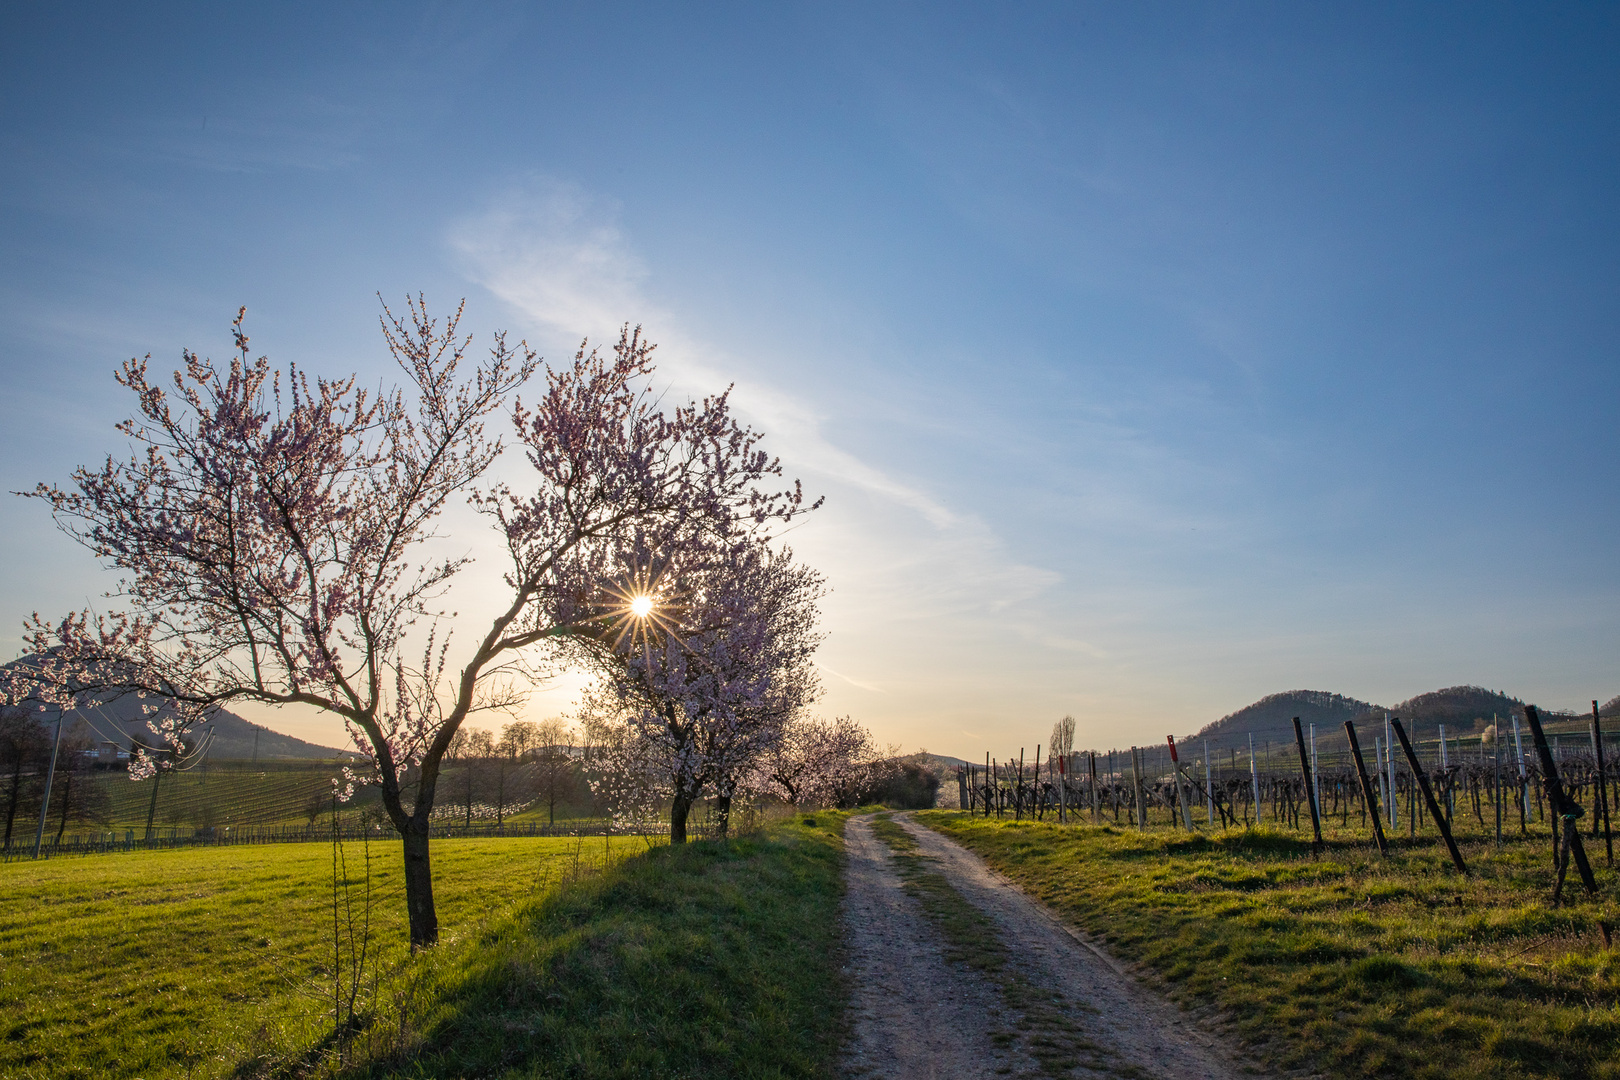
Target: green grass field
point(152, 963)
point(559, 957)
point(710, 960)
point(1344, 963)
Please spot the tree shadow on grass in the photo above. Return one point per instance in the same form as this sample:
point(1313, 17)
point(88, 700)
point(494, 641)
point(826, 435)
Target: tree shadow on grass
point(713, 959)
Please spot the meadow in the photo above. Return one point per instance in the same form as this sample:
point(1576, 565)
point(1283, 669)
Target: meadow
point(558, 956)
point(1343, 963)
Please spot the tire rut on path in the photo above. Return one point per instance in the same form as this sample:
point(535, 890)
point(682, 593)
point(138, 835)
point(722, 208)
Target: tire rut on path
point(918, 1016)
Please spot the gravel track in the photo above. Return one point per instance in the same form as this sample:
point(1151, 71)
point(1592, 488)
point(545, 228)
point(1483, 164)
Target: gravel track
point(916, 1015)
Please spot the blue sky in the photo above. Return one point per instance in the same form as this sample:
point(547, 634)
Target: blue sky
point(1152, 358)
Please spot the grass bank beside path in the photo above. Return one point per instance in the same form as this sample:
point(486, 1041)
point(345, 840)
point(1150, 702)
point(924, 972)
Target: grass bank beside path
point(179, 963)
point(1342, 963)
point(709, 960)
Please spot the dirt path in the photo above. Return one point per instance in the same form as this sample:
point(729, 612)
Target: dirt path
point(918, 1015)
point(914, 1018)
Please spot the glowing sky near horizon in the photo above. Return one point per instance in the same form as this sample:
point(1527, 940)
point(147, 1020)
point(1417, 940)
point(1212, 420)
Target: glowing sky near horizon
point(1151, 358)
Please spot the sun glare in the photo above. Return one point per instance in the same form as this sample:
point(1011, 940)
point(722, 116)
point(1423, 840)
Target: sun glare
point(641, 606)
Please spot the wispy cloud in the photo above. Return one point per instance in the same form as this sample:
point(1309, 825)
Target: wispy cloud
point(915, 581)
point(873, 687)
point(556, 253)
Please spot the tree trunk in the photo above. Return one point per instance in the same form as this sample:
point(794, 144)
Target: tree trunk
point(678, 811)
point(16, 796)
point(67, 804)
point(722, 810)
point(419, 887)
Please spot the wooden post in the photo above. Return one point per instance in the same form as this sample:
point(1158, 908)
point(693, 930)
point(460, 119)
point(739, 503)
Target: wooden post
point(1136, 784)
point(1310, 785)
point(1559, 803)
point(1366, 789)
point(1096, 803)
point(1209, 789)
point(1113, 783)
point(1039, 809)
point(1063, 789)
point(1602, 784)
point(1316, 773)
point(1428, 797)
point(1018, 787)
point(1175, 778)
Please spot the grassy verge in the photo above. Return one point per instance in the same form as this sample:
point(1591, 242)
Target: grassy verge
point(1343, 963)
point(1043, 1024)
point(177, 963)
point(708, 960)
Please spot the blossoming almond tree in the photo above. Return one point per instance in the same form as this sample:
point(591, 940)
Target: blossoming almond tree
point(817, 762)
point(711, 667)
point(271, 535)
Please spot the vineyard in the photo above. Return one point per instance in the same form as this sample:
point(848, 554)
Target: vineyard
point(1500, 784)
point(287, 798)
point(223, 795)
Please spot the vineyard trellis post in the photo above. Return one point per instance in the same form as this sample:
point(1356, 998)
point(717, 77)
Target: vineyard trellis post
point(1445, 765)
point(1018, 787)
point(1366, 788)
point(1389, 767)
point(1564, 807)
point(1254, 779)
point(1496, 750)
point(1428, 798)
point(1136, 786)
point(1209, 788)
point(1057, 778)
point(1310, 786)
point(1602, 785)
point(1316, 772)
point(1524, 780)
point(1175, 779)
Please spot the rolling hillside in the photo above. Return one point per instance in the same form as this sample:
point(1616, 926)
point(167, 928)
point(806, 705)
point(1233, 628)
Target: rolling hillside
point(122, 720)
point(1464, 710)
point(1271, 718)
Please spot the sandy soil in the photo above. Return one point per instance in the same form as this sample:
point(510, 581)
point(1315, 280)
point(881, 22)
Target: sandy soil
point(917, 1015)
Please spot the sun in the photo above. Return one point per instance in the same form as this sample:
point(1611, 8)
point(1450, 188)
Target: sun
point(641, 606)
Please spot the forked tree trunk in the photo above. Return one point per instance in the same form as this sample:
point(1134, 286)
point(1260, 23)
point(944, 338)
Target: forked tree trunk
point(419, 887)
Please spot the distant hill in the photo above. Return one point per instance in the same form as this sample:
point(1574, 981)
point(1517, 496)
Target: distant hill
point(1464, 710)
point(1460, 708)
point(1272, 718)
point(121, 720)
point(234, 739)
